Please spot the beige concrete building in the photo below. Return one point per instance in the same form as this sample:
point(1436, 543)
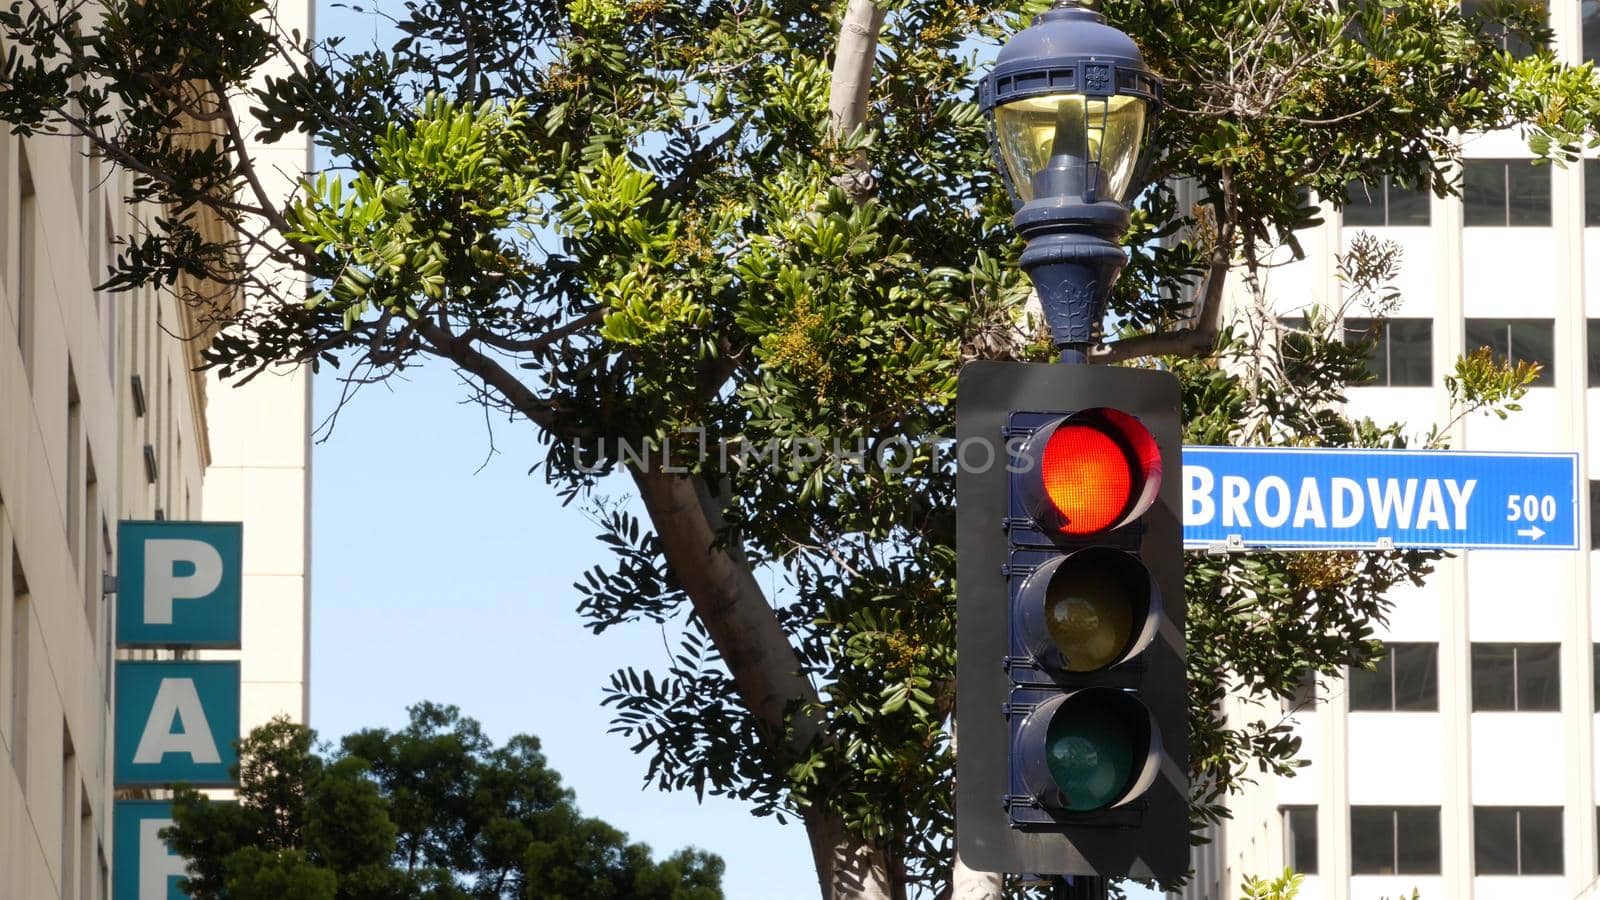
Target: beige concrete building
point(102, 418)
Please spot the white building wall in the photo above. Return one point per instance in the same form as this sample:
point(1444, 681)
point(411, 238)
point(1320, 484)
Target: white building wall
point(80, 451)
point(1455, 759)
point(260, 474)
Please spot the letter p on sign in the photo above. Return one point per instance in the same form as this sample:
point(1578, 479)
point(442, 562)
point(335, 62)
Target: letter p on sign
point(179, 584)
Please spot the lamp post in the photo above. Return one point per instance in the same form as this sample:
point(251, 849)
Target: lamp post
point(1069, 104)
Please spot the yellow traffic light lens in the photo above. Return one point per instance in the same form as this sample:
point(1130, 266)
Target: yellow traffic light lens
point(1089, 614)
point(1091, 751)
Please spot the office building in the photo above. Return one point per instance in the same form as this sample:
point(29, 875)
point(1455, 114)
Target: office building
point(103, 418)
point(1465, 767)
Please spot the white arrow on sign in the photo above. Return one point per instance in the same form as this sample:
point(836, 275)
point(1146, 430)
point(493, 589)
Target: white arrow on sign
point(1535, 532)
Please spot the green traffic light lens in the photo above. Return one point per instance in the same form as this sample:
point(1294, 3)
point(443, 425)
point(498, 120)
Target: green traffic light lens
point(1089, 614)
point(1091, 750)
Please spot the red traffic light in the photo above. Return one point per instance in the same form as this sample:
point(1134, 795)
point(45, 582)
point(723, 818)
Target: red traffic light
point(1088, 473)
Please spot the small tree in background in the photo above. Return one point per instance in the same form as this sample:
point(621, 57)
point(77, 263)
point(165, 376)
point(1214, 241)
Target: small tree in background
point(773, 226)
point(433, 811)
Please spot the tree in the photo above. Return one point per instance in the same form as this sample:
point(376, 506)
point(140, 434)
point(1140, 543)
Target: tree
point(432, 811)
point(764, 227)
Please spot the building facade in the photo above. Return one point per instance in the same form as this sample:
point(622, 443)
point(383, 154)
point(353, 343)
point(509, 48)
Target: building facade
point(103, 418)
point(1465, 767)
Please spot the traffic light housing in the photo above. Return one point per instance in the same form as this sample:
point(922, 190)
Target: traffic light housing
point(1071, 705)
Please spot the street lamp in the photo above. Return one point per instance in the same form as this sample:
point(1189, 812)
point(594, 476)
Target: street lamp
point(1069, 103)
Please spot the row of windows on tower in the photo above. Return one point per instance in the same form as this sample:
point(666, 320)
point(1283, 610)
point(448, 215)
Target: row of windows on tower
point(1495, 193)
point(1404, 840)
point(1402, 349)
point(1505, 678)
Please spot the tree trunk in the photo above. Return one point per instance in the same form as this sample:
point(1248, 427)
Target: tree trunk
point(764, 666)
point(848, 92)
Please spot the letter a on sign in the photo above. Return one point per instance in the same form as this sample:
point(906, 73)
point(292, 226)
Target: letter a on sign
point(143, 867)
point(176, 721)
point(179, 584)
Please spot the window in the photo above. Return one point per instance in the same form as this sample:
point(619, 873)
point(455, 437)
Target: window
point(1591, 167)
point(21, 631)
point(75, 480)
point(1402, 349)
point(1590, 11)
point(1594, 346)
point(1389, 202)
point(1595, 669)
point(27, 265)
point(1594, 526)
point(1517, 340)
point(1516, 677)
point(1406, 679)
point(1509, 840)
point(69, 812)
point(1304, 695)
point(1300, 838)
point(1518, 46)
point(1390, 840)
point(1505, 192)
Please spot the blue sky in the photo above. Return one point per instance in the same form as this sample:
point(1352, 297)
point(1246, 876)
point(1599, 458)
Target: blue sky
point(432, 580)
point(435, 579)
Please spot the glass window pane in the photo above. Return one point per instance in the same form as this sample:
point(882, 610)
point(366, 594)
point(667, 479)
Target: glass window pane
point(1371, 840)
point(1541, 841)
point(1491, 333)
point(1408, 204)
point(1483, 191)
point(1416, 677)
point(1372, 691)
point(1529, 193)
point(1594, 336)
point(1300, 838)
point(1493, 677)
point(1591, 29)
point(1363, 331)
point(1304, 695)
point(1539, 677)
point(1533, 340)
point(1410, 352)
point(1417, 840)
point(1518, 47)
point(1365, 209)
point(1494, 840)
point(1591, 167)
point(1596, 667)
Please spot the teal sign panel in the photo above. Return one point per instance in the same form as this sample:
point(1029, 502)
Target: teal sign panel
point(142, 866)
point(176, 722)
point(179, 584)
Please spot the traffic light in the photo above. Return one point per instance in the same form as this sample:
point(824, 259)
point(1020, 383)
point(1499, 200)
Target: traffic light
point(1071, 704)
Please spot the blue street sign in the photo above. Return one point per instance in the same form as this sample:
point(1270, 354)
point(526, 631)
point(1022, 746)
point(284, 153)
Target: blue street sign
point(176, 722)
point(142, 866)
point(1316, 498)
point(179, 584)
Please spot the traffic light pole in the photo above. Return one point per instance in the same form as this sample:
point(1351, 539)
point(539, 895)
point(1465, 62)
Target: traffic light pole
point(1078, 887)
